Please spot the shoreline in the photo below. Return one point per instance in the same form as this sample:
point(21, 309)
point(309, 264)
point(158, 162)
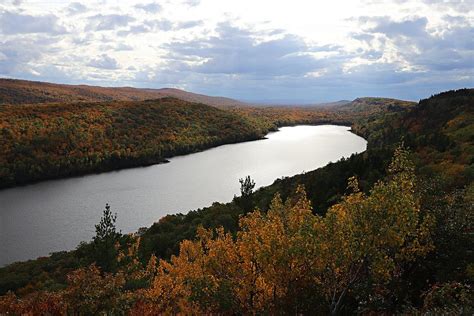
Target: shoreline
point(130, 164)
point(149, 224)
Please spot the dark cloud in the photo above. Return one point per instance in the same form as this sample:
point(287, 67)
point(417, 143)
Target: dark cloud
point(234, 63)
point(104, 62)
point(101, 22)
point(235, 51)
point(15, 55)
point(410, 28)
point(17, 23)
point(151, 7)
point(21, 56)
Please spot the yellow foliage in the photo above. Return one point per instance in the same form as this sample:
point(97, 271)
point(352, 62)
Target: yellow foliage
point(289, 259)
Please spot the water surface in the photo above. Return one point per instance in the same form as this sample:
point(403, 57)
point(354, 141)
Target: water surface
point(56, 215)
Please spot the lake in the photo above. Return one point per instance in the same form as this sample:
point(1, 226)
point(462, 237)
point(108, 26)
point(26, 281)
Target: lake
point(49, 216)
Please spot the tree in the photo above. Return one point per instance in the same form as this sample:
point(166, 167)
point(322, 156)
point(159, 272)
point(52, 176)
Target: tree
point(105, 239)
point(290, 260)
point(246, 186)
point(91, 293)
point(371, 238)
point(246, 189)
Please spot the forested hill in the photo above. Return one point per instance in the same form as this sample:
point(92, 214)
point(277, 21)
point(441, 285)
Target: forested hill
point(400, 245)
point(374, 105)
point(13, 91)
point(56, 140)
point(60, 139)
point(441, 131)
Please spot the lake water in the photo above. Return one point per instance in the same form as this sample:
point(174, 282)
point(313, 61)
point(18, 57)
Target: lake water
point(56, 215)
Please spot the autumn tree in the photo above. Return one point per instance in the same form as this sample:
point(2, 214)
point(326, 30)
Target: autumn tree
point(90, 292)
point(369, 238)
point(291, 260)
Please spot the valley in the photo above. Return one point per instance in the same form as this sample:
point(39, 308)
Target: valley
point(437, 132)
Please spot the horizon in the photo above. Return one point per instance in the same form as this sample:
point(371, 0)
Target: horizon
point(260, 102)
point(275, 53)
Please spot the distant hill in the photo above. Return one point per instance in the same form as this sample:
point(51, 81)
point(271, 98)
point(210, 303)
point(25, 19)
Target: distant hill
point(298, 104)
point(199, 98)
point(13, 91)
point(372, 104)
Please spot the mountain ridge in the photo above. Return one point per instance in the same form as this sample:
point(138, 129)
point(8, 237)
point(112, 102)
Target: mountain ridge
point(15, 91)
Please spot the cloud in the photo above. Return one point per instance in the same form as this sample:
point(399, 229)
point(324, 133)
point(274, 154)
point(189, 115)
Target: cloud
point(76, 8)
point(104, 62)
point(101, 22)
point(151, 7)
point(452, 49)
point(464, 6)
point(187, 24)
point(424, 45)
point(235, 51)
point(148, 26)
point(22, 56)
point(123, 47)
point(192, 3)
point(19, 23)
point(16, 55)
point(413, 27)
point(165, 25)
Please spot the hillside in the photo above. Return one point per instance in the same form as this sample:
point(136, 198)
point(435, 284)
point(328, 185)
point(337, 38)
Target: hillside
point(220, 102)
point(348, 113)
point(14, 91)
point(79, 133)
point(418, 229)
point(48, 141)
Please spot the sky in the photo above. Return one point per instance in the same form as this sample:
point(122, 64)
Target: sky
point(253, 50)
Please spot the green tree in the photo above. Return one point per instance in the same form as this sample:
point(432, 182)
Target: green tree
point(246, 186)
point(246, 189)
point(105, 240)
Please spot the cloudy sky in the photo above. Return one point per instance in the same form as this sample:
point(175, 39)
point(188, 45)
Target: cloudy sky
point(254, 50)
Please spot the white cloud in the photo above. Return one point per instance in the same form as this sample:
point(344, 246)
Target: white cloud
point(100, 22)
point(19, 23)
point(104, 62)
point(151, 7)
point(76, 8)
point(301, 48)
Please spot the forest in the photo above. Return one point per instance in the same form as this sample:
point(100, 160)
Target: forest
point(20, 92)
point(65, 139)
point(388, 231)
point(53, 140)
